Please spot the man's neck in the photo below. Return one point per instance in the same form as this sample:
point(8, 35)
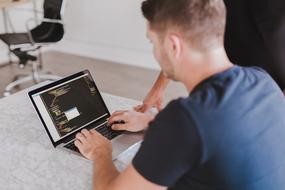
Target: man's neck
point(206, 65)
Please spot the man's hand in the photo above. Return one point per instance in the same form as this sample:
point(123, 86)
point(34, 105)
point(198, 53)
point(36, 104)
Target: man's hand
point(155, 96)
point(93, 145)
point(133, 121)
point(153, 99)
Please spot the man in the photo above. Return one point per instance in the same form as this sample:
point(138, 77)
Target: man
point(254, 37)
point(227, 135)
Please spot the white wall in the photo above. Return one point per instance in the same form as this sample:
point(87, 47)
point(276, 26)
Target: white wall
point(3, 54)
point(110, 29)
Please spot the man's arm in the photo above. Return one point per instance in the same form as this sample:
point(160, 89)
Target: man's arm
point(154, 97)
point(105, 175)
point(158, 164)
point(129, 179)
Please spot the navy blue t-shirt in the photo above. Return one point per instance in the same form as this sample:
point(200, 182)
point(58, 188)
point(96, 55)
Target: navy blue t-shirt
point(229, 134)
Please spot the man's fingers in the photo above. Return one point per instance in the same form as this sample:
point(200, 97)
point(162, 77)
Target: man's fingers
point(97, 135)
point(94, 132)
point(78, 144)
point(120, 117)
point(81, 137)
point(138, 108)
point(145, 108)
point(115, 114)
point(119, 127)
point(118, 112)
point(142, 108)
point(86, 133)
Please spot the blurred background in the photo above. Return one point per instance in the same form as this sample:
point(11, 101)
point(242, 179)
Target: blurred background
point(107, 37)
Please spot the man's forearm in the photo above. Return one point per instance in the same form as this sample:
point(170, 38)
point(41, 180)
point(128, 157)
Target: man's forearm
point(161, 82)
point(104, 172)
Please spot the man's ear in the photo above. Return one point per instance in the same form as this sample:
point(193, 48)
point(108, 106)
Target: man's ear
point(174, 46)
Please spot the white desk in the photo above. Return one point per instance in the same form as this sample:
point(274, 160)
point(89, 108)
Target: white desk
point(11, 3)
point(28, 160)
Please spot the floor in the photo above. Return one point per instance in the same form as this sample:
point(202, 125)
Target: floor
point(118, 79)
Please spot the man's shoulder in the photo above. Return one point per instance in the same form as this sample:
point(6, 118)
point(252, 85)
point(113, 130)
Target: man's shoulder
point(221, 93)
point(227, 88)
point(175, 107)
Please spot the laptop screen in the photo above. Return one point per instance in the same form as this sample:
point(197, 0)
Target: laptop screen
point(70, 106)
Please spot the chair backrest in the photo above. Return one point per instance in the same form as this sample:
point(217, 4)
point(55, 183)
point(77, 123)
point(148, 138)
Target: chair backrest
point(48, 32)
point(52, 9)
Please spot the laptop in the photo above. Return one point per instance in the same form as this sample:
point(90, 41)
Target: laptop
point(71, 104)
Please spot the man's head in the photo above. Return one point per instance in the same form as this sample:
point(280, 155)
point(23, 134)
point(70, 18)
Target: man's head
point(179, 27)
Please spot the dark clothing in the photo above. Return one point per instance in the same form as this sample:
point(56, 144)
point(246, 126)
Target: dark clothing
point(255, 35)
point(229, 134)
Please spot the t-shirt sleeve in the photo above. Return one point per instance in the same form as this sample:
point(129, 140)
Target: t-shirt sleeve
point(171, 147)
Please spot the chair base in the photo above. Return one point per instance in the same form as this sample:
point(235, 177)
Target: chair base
point(29, 78)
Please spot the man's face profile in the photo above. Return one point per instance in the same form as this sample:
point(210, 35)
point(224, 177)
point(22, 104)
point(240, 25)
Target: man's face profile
point(161, 52)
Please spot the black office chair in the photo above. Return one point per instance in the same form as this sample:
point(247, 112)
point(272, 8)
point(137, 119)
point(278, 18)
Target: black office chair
point(49, 31)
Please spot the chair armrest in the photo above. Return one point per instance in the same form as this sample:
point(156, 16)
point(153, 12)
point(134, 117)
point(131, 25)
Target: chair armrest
point(56, 21)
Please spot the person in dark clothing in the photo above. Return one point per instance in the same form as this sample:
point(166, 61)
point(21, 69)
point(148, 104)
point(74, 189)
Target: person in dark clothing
point(228, 134)
point(254, 36)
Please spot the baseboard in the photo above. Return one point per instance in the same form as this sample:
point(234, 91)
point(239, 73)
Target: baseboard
point(109, 53)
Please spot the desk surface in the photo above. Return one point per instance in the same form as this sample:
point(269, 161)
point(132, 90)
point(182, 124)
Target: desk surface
point(10, 3)
point(27, 157)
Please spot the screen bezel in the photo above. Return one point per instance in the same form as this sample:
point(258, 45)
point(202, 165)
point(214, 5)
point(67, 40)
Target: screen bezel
point(56, 83)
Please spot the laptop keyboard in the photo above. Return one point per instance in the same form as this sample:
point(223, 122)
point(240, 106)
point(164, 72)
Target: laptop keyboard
point(72, 146)
point(107, 132)
point(104, 130)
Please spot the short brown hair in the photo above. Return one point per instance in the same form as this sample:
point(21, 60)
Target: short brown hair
point(200, 21)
